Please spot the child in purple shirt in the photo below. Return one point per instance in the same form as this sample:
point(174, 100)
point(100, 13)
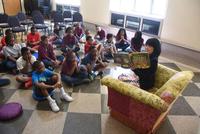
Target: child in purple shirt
point(47, 55)
point(70, 41)
point(78, 31)
point(72, 73)
point(100, 35)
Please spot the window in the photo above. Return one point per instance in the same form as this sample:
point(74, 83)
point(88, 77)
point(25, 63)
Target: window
point(75, 9)
point(59, 8)
point(66, 5)
point(140, 7)
point(133, 22)
point(150, 26)
point(68, 2)
point(145, 24)
point(117, 20)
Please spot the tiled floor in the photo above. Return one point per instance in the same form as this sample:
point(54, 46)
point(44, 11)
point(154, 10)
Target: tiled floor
point(89, 114)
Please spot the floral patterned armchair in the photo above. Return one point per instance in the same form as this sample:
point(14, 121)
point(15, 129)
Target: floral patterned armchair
point(141, 110)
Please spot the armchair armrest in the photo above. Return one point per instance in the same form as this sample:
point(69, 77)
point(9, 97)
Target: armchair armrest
point(136, 93)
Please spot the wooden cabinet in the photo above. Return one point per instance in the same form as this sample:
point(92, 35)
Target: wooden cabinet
point(12, 7)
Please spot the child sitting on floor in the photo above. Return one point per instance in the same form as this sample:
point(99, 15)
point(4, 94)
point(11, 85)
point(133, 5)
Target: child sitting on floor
point(87, 33)
point(3, 43)
point(12, 52)
point(92, 62)
point(70, 41)
point(3, 40)
point(100, 35)
point(24, 65)
point(47, 55)
point(33, 39)
point(55, 38)
point(136, 43)
point(44, 83)
point(78, 31)
point(121, 40)
point(72, 73)
point(109, 46)
point(89, 43)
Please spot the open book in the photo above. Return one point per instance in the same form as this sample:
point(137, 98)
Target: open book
point(136, 59)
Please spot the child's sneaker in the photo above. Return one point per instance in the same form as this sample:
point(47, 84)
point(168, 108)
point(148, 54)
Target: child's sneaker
point(66, 97)
point(54, 106)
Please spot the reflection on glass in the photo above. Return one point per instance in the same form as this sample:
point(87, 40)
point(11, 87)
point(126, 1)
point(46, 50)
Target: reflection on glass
point(133, 22)
point(117, 19)
point(150, 26)
point(66, 7)
point(76, 9)
point(59, 8)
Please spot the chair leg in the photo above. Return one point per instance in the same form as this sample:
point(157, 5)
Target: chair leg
point(22, 36)
point(1, 32)
point(15, 37)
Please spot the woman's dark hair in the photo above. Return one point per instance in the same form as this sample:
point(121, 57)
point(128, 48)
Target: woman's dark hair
point(138, 35)
point(24, 50)
point(137, 41)
point(109, 35)
point(118, 34)
point(155, 43)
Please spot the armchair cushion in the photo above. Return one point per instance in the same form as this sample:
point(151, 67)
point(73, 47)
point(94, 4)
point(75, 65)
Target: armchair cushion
point(163, 74)
point(176, 84)
point(136, 93)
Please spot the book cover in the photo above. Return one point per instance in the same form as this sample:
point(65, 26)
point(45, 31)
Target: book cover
point(136, 59)
point(140, 60)
point(122, 58)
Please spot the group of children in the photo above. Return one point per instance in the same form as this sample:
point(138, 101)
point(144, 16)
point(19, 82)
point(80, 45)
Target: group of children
point(35, 60)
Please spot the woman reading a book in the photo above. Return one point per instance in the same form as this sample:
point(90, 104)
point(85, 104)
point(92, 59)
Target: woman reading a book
point(147, 76)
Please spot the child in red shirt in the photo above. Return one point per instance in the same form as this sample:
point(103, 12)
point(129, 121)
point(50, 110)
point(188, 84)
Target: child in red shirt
point(33, 39)
point(3, 41)
point(89, 43)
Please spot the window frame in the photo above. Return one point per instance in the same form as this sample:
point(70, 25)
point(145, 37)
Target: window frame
point(134, 12)
point(141, 22)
